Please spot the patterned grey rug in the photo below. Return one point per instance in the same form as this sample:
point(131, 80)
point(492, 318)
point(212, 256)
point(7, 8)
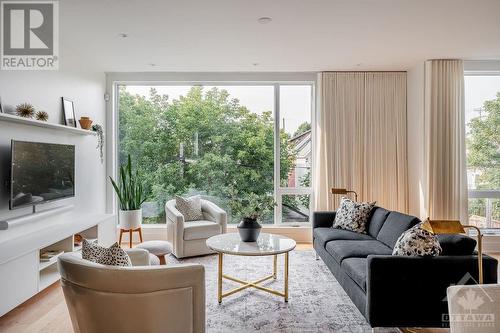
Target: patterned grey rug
point(317, 302)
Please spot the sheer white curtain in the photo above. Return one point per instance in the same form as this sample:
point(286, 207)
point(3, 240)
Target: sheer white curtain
point(361, 136)
point(445, 140)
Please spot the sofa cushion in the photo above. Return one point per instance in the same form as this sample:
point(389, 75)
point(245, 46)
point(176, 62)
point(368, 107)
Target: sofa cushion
point(357, 269)
point(353, 215)
point(341, 249)
point(376, 220)
point(395, 224)
point(456, 245)
point(417, 242)
point(200, 229)
point(324, 235)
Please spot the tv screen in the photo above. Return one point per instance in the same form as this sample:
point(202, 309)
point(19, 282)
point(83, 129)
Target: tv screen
point(41, 172)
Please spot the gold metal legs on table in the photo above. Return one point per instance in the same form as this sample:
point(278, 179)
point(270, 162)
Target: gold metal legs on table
point(275, 265)
point(286, 277)
point(219, 280)
point(252, 284)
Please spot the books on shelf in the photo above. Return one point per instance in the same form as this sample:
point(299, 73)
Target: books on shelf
point(48, 255)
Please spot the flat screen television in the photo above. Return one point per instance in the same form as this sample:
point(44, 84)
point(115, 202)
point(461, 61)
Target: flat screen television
point(40, 173)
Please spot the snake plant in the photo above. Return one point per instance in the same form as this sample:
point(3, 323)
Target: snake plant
point(129, 190)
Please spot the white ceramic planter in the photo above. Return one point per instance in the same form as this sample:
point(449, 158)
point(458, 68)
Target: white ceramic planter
point(130, 219)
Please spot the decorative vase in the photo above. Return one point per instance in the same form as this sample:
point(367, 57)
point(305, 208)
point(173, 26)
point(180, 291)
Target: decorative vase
point(130, 219)
point(85, 122)
point(249, 229)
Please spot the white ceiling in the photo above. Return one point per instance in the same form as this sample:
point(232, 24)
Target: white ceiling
point(305, 35)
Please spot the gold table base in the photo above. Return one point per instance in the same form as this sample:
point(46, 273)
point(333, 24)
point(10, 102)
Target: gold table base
point(252, 284)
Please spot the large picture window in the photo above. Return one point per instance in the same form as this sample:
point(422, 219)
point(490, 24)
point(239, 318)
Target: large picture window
point(482, 116)
point(221, 142)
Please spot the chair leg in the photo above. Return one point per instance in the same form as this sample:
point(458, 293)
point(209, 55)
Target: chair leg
point(120, 240)
point(140, 233)
point(130, 238)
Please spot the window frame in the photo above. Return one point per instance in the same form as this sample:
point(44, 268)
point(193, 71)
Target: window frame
point(482, 69)
point(114, 80)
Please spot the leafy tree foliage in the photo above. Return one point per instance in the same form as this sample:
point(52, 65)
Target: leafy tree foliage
point(483, 144)
point(204, 142)
point(304, 127)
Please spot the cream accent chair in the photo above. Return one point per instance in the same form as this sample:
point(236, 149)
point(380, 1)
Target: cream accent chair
point(474, 308)
point(189, 238)
point(133, 299)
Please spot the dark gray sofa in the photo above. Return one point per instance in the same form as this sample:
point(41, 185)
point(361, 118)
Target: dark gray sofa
point(396, 291)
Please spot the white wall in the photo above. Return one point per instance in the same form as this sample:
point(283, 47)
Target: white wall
point(44, 90)
point(415, 141)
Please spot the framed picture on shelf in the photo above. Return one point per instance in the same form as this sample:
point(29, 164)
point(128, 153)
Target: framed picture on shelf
point(69, 112)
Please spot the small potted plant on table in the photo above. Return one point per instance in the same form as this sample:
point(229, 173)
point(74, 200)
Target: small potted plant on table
point(251, 208)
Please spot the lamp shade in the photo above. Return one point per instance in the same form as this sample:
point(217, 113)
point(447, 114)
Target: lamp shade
point(438, 227)
point(338, 190)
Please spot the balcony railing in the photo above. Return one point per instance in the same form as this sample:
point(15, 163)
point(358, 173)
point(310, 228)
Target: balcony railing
point(484, 208)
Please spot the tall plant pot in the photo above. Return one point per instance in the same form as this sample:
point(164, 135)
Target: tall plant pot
point(249, 229)
point(130, 219)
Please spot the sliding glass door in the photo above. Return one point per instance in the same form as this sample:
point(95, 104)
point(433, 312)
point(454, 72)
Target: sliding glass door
point(222, 142)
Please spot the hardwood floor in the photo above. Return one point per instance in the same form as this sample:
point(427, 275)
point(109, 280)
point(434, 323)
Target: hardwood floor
point(47, 312)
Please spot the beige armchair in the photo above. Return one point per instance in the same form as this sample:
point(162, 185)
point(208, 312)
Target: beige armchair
point(189, 238)
point(133, 299)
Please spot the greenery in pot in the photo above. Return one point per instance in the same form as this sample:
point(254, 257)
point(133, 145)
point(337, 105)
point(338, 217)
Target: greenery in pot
point(252, 206)
point(100, 139)
point(130, 189)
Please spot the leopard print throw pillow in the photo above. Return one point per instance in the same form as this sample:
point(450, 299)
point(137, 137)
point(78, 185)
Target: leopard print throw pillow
point(190, 208)
point(353, 216)
point(91, 250)
point(417, 242)
point(112, 256)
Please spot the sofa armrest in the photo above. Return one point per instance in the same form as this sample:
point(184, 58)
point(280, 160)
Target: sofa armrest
point(323, 219)
point(411, 291)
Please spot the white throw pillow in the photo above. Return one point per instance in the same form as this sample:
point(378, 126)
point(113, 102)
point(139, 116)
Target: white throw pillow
point(353, 216)
point(190, 208)
point(417, 242)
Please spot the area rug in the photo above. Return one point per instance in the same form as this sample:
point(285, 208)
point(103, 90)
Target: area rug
point(317, 302)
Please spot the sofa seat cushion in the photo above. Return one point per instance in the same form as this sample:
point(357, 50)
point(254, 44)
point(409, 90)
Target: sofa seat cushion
point(456, 245)
point(394, 226)
point(342, 249)
point(324, 235)
point(200, 229)
point(357, 269)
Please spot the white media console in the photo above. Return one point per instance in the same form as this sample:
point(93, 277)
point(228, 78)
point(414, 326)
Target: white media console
point(22, 273)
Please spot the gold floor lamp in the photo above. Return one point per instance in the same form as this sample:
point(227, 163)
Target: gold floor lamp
point(439, 227)
point(335, 190)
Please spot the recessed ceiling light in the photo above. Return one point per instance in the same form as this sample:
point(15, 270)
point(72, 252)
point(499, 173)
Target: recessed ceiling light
point(264, 20)
point(122, 35)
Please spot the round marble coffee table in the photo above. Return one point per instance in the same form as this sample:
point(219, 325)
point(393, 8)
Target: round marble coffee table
point(266, 245)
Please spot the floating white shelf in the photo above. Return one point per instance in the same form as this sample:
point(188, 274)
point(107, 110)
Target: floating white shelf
point(19, 120)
